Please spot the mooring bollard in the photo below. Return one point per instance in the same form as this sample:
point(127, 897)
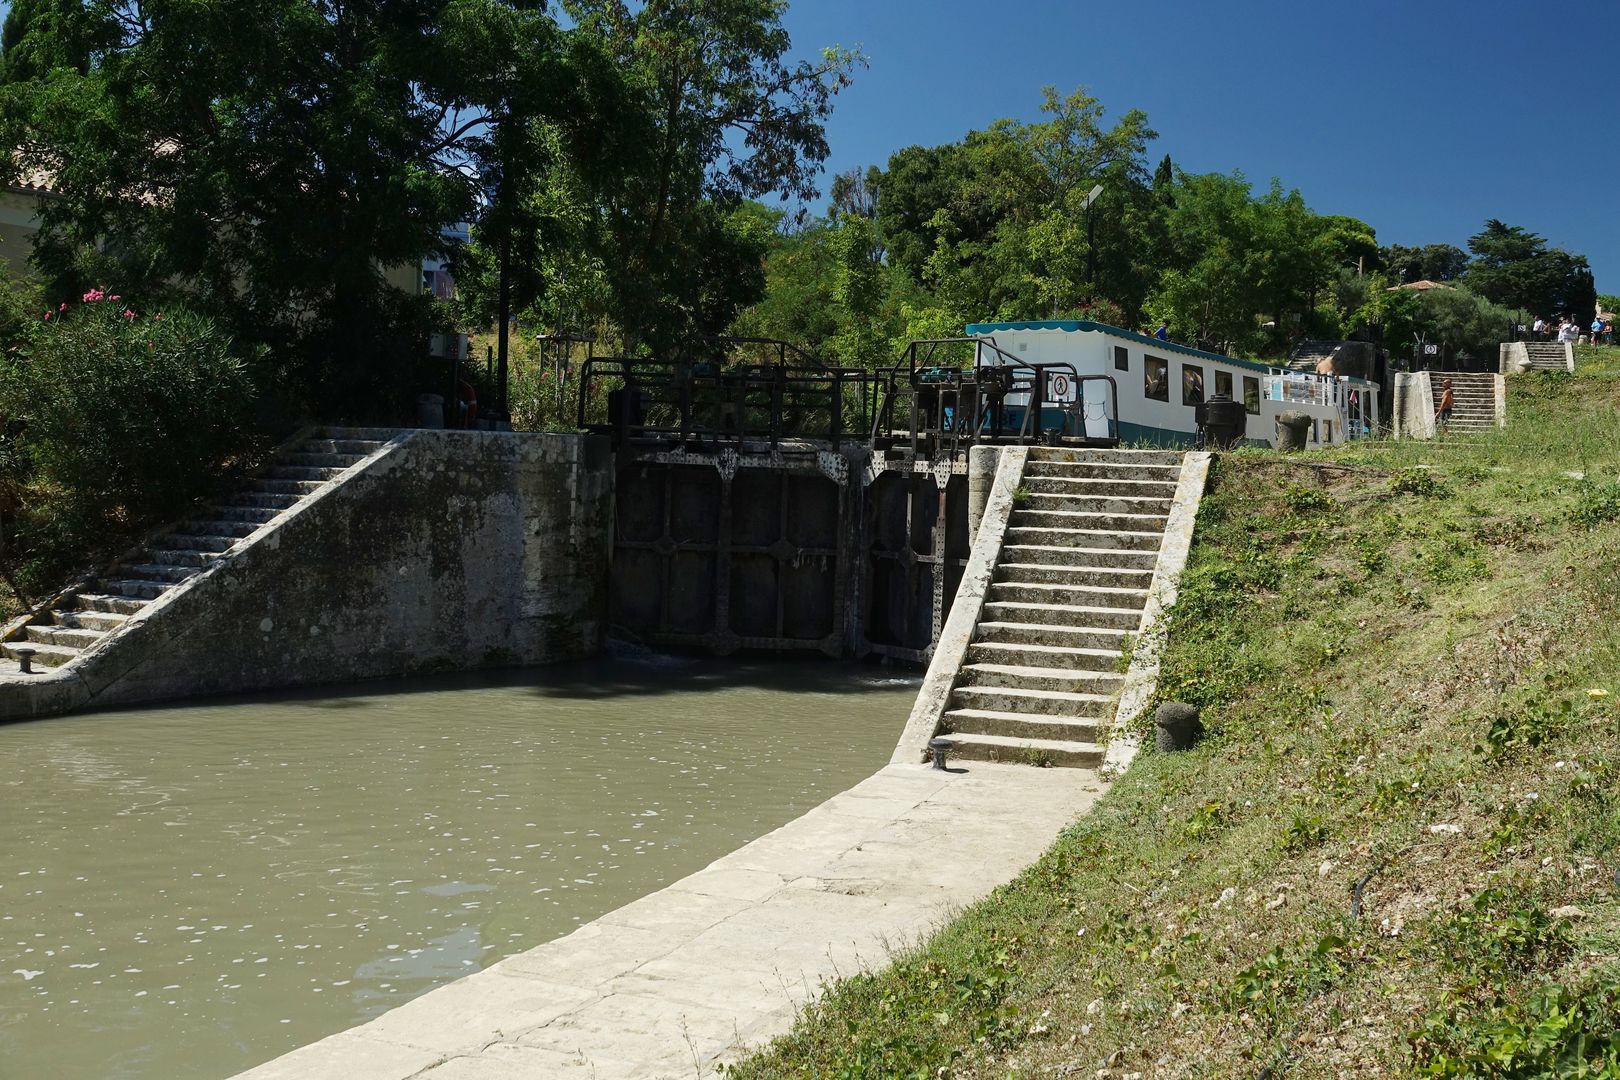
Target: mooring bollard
point(25, 655)
point(938, 747)
point(1178, 726)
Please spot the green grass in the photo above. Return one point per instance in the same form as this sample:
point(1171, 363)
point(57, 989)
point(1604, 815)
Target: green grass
point(1395, 852)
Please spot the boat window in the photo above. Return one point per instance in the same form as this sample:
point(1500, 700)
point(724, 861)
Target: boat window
point(1192, 384)
point(1122, 358)
point(1251, 393)
point(1223, 383)
point(1155, 378)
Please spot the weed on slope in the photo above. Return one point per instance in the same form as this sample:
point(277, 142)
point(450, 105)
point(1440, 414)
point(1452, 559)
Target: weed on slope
point(1395, 851)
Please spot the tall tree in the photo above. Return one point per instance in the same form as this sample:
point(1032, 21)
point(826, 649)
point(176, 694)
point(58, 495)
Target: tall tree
point(730, 118)
point(268, 159)
point(1514, 267)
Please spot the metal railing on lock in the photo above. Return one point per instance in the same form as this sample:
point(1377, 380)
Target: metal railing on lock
point(707, 401)
point(927, 406)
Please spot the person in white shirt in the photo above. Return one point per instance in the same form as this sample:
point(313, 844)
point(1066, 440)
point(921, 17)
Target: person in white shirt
point(1539, 328)
point(1568, 332)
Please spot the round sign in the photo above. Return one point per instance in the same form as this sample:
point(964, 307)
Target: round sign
point(1060, 386)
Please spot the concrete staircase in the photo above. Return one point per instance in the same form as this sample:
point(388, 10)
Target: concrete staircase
point(79, 619)
point(1070, 585)
point(1550, 356)
point(1473, 399)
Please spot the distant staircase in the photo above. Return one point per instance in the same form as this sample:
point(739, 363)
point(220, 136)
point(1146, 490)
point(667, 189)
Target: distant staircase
point(1070, 586)
point(79, 619)
point(1550, 355)
point(1473, 399)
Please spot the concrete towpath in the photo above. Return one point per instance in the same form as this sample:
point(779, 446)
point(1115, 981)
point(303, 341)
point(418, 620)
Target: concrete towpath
point(720, 962)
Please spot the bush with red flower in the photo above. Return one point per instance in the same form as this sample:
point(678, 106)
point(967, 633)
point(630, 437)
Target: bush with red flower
point(117, 418)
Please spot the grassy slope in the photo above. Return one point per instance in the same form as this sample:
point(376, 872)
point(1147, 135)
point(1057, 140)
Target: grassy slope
point(1394, 665)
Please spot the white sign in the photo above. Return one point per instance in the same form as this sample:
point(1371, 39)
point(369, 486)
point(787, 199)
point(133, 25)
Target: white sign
point(1060, 387)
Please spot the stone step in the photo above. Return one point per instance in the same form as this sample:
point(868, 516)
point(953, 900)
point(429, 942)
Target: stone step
point(163, 572)
point(1064, 485)
point(1099, 618)
point(1084, 539)
point(1020, 725)
point(353, 447)
point(1065, 519)
point(213, 545)
point(1095, 504)
point(272, 500)
point(73, 637)
point(1037, 702)
point(1101, 471)
point(368, 434)
point(181, 557)
point(217, 529)
point(258, 515)
point(1050, 636)
point(298, 488)
point(1018, 677)
point(1003, 748)
point(306, 460)
point(44, 655)
point(1078, 456)
point(1085, 596)
point(77, 618)
point(1101, 577)
point(1065, 657)
point(107, 602)
point(134, 588)
point(1053, 555)
point(299, 472)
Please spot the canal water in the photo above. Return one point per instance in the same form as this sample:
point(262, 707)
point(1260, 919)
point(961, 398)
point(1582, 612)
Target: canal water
point(188, 891)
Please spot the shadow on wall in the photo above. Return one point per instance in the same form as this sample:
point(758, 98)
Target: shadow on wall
point(661, 675)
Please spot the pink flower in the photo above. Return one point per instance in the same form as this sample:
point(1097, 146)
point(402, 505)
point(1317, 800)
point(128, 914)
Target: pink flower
point(47, 316)
point(63, 307)
point(115, 296)
point(94, 295)
point(158, 316)
point(128, 314)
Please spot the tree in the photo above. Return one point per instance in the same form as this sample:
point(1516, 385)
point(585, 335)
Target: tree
point(729, 118)
point(1431, 262)
point(266, 160)
point(857, 294)
point(1514, 267)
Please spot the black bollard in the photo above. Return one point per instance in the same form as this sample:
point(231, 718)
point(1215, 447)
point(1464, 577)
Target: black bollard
point(1178, 726)
point(938, 747)
point(25, 654)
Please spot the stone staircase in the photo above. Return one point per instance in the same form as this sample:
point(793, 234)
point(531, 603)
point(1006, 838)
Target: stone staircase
point(1549, 356)
point(81, 618)
point(1070, 585)
point(1473, 399)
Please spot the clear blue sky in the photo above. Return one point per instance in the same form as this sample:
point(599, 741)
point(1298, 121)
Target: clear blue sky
point(1421, 118)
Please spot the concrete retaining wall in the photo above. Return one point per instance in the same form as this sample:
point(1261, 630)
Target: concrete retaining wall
point(449, 551)
point(1414, 405)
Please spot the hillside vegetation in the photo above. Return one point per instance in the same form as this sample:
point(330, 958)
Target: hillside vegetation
point(1395, 851)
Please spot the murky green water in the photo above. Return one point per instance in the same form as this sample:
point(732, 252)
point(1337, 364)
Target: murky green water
point(186, 892)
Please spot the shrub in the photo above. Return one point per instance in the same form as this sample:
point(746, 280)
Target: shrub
point(119, 419)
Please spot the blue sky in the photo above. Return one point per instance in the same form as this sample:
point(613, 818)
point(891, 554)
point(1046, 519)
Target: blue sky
point(1421, 118)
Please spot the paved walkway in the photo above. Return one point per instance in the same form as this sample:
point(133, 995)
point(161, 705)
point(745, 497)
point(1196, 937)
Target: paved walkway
point(720, 961)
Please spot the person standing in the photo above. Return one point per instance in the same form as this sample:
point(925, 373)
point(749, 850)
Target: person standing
point(1442, 415)
point(1538, 329)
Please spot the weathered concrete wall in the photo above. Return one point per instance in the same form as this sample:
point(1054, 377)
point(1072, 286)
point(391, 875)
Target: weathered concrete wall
point(1414, 406)
point(454, 550)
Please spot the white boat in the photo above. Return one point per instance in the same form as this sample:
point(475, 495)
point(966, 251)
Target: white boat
point(1156, 386)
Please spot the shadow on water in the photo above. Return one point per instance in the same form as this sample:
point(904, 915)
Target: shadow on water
point(640, 674)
